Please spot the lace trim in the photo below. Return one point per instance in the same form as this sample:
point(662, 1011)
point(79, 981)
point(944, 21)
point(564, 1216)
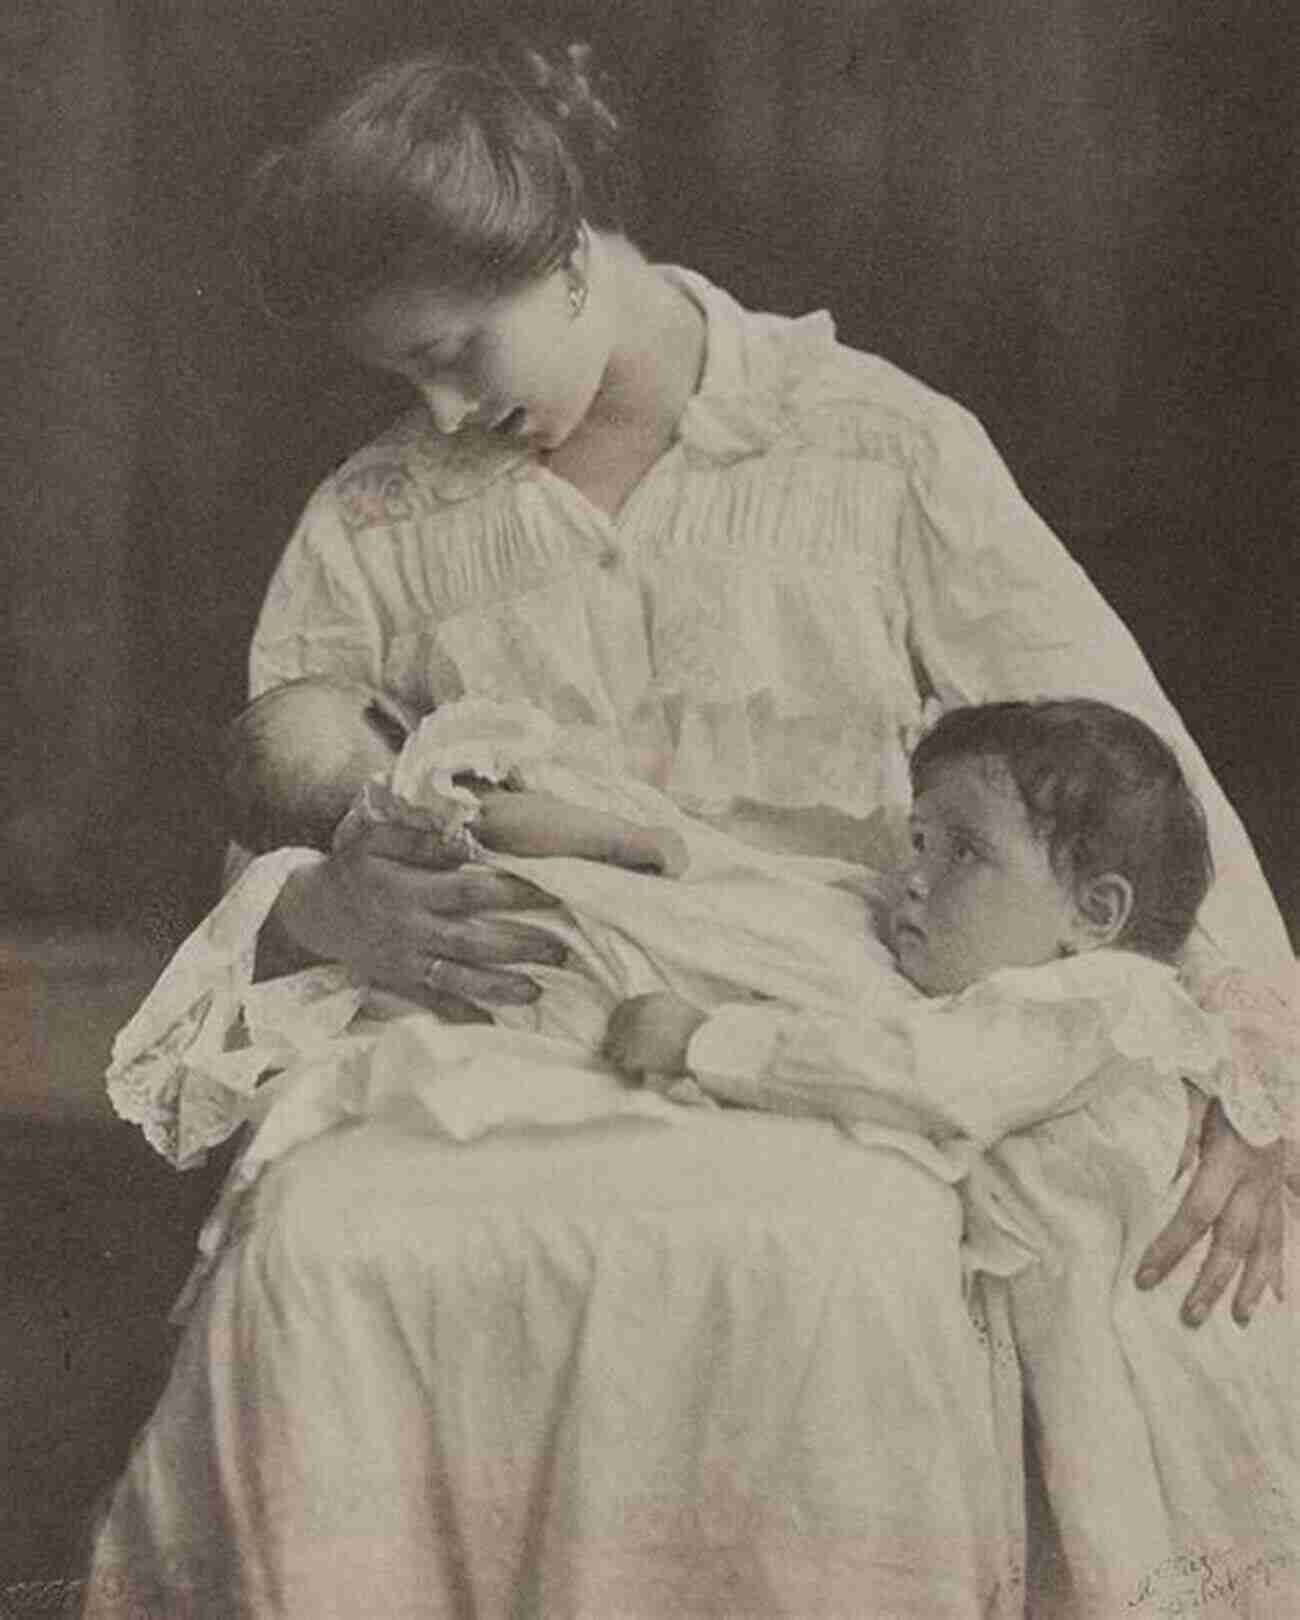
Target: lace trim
point(185, 1068)
point(1233, 1034)
point(1258, 1084)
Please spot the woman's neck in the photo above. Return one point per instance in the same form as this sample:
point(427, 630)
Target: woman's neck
point(657, 356)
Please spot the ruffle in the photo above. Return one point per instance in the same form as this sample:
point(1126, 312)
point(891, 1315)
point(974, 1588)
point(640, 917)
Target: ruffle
point(1146, 1015)
point(1258, 1084)
point(476, 737)
point(188, 1066)
point(1235, 1038)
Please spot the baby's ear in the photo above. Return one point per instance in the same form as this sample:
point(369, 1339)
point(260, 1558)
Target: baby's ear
point(1102, 908)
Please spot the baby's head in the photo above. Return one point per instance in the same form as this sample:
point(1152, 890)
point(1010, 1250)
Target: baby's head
point(294, 760)
point(1041, 830)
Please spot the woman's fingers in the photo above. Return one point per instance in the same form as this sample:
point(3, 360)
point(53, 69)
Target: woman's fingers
point(390, 922)
point(467, 890)
point(1191, 1222)
point(1235, 1234)
point(443, 976)
point(1236, 1193)
point(1263, 1265)
point(1197, 1103)
point(484, 941)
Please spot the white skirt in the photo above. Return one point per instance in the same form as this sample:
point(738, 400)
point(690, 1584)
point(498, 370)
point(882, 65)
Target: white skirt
point(616, 1372)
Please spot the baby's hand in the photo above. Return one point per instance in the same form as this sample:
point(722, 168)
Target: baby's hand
point(651, 1034)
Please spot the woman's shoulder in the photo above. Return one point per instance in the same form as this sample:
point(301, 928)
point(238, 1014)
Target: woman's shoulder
point(790, 381)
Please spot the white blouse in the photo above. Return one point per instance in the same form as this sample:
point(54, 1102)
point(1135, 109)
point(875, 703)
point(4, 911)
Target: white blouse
point(827, 554)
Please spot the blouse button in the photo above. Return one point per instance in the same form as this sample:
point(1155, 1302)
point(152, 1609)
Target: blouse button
point(608, 556)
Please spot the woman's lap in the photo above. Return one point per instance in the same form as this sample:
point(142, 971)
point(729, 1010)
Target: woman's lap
point(719, 1368)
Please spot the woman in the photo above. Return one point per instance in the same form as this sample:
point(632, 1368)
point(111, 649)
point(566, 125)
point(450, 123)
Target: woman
point(720, 1370)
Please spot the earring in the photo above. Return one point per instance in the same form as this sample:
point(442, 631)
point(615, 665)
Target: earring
point(577, 293)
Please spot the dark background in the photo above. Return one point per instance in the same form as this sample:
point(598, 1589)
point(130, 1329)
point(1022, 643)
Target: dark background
point(1076, 216)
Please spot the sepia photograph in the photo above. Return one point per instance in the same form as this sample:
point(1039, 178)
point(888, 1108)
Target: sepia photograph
point(648, 870)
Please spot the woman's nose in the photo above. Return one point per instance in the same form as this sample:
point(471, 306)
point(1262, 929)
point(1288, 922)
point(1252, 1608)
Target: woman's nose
point(448, 404)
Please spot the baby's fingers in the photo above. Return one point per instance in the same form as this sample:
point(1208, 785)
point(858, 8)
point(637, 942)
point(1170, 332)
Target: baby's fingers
point(646, 849)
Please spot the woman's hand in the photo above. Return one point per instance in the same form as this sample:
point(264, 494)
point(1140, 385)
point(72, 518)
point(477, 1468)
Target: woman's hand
point(1236, 1192)
point(651, 1034)
point(413, 931)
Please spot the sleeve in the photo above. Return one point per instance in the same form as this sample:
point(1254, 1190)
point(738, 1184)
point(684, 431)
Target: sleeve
point(319, 616)
point(1013, 1050)
point(977, 1066)
point(998, 609)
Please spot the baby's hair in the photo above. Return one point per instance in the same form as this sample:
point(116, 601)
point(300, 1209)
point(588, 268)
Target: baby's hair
point(1104, 792)
point(279, 785)
point(471, 166)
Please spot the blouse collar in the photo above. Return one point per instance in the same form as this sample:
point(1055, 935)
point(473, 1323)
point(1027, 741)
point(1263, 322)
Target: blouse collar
point(748, 396)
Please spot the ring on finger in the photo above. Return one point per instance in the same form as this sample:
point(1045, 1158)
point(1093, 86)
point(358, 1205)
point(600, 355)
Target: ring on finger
point(435, 973)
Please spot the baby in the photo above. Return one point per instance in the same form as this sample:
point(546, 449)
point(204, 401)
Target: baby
point(648, 900)
point(298, 759)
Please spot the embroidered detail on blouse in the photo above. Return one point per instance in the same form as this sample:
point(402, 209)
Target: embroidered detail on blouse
point(411, 468)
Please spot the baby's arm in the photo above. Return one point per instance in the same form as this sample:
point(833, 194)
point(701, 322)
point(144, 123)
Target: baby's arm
point(534, 823)
point(914, 1070)
point(982, 1064)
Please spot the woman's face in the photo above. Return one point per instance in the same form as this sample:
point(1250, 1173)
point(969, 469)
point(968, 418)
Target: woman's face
point(522, 365)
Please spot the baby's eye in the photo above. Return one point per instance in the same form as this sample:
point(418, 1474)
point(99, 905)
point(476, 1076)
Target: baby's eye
point(964, 852)
point(917, 836)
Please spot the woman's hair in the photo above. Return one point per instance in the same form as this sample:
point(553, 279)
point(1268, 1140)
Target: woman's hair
point(1104, 793)
point(292, 762)
point(470, 166)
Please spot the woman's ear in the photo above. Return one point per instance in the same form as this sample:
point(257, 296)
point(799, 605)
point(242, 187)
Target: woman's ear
point(1102, 908)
